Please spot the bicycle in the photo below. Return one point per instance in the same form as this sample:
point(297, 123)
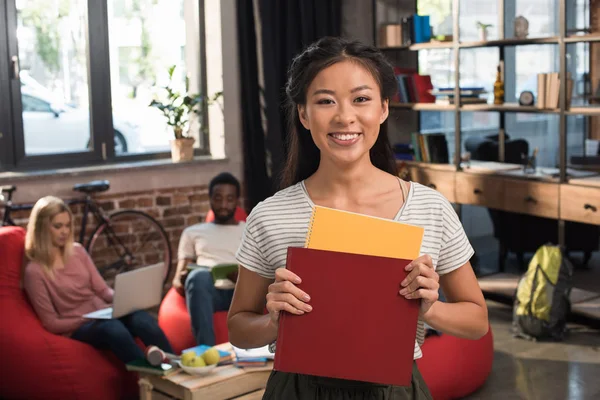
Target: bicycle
point(119, 241)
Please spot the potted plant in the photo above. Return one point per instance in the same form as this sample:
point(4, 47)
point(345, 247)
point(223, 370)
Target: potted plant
point(483, 30)
point(177, 108)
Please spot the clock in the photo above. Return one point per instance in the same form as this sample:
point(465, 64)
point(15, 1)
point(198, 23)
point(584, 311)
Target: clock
point(526, 98)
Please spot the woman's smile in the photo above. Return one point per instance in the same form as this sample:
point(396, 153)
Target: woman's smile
point(344, 138)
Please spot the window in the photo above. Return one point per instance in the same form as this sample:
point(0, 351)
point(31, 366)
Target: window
point(54, 107)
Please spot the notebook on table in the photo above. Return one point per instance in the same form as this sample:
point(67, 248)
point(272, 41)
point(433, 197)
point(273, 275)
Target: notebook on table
point(360, 327)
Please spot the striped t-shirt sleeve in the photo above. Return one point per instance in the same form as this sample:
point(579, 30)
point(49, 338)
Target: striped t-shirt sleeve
point(249, 254)
point(455, 250)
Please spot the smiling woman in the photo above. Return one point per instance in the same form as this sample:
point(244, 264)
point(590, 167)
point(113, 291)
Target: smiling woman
point(340, 157)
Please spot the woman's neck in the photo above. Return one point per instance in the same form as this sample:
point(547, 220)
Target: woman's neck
point(57, 257)
point(334, 180)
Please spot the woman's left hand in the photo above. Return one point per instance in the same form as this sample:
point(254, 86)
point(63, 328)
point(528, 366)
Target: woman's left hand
point(422, 282)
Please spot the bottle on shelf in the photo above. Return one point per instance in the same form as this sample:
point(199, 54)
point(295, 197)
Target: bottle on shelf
point(499, 86)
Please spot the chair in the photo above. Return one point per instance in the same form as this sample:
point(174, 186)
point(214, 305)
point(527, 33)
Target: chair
point(453, 367)
point(39, 364)
point(174, 319)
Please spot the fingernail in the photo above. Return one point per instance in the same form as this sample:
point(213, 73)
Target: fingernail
point(404, 283)
point(403, 292)
point(297, 280)
point(306, 297)
point(300, 312)
point(407, 296)
point(408, 267)
point(309, 308)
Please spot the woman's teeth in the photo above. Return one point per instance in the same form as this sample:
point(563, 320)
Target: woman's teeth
point(345, 136)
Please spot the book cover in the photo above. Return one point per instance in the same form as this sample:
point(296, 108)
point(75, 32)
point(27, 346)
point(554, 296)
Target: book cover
point(348, 232)
point(360, 327)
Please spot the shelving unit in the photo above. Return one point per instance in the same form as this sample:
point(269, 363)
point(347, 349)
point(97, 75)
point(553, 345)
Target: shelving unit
point(427, 172)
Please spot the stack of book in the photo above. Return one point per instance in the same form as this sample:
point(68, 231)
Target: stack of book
point(548, 90)
point(468, 95)
point(412, 29)
point(412, 87)
point(252, 357)
point(360, 328)
point(430, 147)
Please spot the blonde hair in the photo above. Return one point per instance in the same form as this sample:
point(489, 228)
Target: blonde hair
point(38, 241)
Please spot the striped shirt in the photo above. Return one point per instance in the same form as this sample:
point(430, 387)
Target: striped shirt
point(282, 221)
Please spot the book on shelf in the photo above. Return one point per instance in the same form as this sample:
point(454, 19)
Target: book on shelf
point(430, 147)
point(410, 30)
point(548, 90)
point(412, 87)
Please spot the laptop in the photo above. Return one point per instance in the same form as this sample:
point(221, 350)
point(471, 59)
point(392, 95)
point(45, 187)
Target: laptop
point(134, 290)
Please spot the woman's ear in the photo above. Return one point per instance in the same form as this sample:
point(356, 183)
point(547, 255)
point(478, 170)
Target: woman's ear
point(385, 110)
point(303, 116)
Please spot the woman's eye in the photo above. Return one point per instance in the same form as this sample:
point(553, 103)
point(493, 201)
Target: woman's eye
point(362, 99)
point(325, 101)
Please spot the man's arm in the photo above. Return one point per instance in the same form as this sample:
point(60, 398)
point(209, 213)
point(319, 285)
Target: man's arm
point(180, 275)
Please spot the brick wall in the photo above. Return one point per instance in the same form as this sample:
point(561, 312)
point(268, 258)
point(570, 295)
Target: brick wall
point(174, 209)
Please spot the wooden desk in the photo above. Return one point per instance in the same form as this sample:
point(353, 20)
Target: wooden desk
point(225, 382)
point(505, 187)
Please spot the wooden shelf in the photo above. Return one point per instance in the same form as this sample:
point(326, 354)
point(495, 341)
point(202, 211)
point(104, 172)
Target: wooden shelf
point(509, 42)
point(583, 110)
point(507, 107)
point(583, 38)
point(420, 164)
point(424, 106)
point(421, 46)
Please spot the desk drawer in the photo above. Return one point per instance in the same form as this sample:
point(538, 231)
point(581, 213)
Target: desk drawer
point(580, 203)
point(533, 198)
point(442, 181)
point(479, 190)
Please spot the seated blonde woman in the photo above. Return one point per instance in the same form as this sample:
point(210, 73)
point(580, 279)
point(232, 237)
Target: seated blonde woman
point(63, 284)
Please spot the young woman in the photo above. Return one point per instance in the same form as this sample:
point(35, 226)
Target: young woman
point(63, 284)
point(340, 157)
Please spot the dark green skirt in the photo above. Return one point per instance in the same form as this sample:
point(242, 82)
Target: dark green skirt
point(288, 386)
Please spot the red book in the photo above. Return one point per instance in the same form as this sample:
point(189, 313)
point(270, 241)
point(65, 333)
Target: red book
point(360, 327)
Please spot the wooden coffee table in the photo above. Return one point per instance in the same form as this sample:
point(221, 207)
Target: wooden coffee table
point(225, 382)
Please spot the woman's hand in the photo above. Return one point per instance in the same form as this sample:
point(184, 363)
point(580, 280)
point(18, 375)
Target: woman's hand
point(283, 295)
point(422, 282)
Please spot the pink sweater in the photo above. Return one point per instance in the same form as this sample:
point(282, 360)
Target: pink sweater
point(75, 290)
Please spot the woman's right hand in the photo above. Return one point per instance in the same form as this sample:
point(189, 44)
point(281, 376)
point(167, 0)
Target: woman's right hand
point(283, 295)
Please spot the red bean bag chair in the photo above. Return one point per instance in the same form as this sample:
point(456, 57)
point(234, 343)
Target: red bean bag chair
point(454, 368)
point(173, 316)
point(39, 364)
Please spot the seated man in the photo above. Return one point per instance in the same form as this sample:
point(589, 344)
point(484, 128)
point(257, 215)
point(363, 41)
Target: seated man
point(209, 244)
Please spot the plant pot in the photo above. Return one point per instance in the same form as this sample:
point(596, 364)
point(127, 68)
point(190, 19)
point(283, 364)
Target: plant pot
point(483, 34)
point(182, 149)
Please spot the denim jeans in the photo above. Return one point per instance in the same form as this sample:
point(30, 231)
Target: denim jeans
point(118, 335)
point(203, 299)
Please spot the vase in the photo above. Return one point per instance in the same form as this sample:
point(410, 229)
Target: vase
point(483, 34)
point(182, 149)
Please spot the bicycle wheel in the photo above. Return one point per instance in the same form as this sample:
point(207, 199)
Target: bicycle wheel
point(131, 239)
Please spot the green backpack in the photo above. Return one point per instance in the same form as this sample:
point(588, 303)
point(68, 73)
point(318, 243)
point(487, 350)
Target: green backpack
point(542, 299)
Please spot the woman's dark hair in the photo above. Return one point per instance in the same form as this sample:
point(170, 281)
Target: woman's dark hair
point(302, 154)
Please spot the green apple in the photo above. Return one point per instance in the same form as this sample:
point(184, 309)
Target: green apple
point(211, 356)
point(187, 357)
point(198, 362)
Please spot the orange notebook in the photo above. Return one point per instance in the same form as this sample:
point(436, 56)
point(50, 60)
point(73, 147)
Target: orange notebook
point(360, 327)
point(348, 232)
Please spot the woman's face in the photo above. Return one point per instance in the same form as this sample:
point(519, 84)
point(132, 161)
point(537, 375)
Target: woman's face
point(60, 229)
point(343, 112)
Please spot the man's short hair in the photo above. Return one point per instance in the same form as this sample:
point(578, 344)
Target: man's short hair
point(224, 178)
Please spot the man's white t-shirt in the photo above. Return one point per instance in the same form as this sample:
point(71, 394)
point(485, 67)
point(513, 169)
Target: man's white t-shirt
point(211, 244)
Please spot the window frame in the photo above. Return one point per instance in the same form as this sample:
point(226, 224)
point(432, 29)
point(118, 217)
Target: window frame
point(12, 139)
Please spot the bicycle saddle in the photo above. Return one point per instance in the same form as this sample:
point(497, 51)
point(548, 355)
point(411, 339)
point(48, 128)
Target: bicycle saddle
point(92, 187)
point(8, 189)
